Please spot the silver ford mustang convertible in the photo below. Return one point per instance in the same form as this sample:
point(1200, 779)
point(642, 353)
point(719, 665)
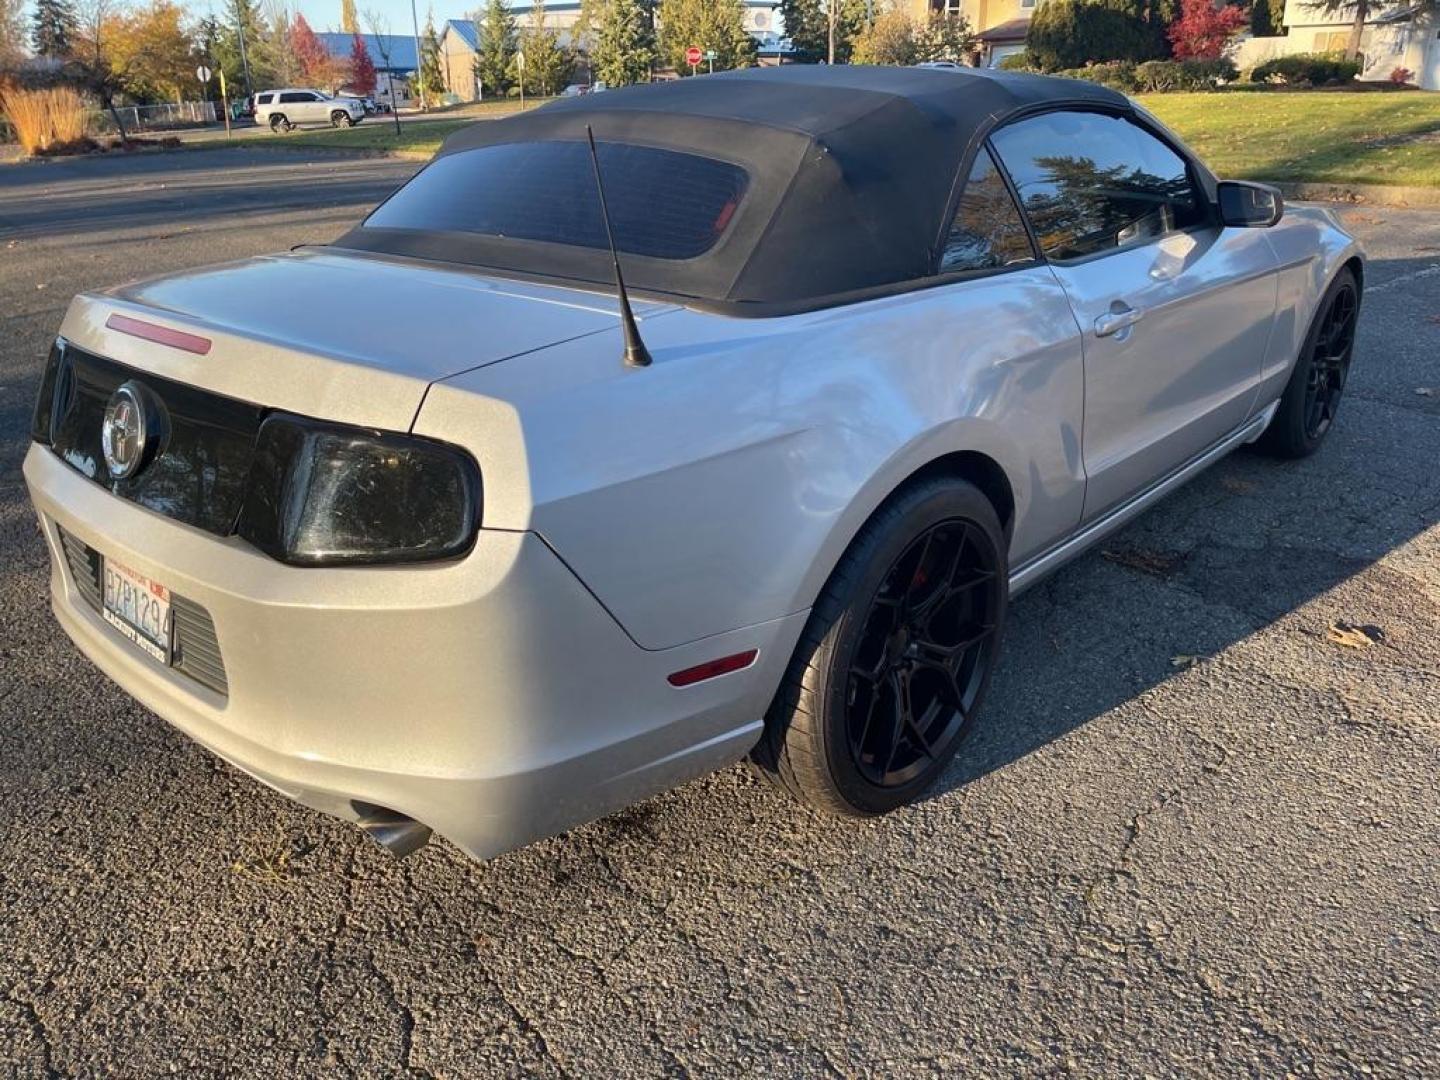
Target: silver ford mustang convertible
point(530, 541)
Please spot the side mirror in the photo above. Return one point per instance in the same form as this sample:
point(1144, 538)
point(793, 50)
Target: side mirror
point(1249, 205)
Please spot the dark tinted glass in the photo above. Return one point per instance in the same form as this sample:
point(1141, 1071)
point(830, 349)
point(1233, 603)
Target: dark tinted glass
point(292, 99)
point(663, 203)
point(987, 231)
point(1093, 183)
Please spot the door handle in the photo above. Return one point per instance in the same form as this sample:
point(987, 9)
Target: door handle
point(1120, 316)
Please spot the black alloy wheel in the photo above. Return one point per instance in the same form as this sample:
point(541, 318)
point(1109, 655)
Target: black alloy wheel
point(891, 669)
point(1307, 408)
point(1330, 361)
point(923, 652)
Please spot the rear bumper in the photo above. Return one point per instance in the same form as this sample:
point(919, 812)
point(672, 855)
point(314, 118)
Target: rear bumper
point(491, 698)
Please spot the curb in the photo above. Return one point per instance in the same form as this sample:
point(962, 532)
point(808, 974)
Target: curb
point(1414, 198)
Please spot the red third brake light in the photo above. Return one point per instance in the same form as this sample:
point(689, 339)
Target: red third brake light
point(713, 668)
point(161, 335)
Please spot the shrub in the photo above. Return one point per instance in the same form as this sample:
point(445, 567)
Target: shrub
point(1020, 61)
point(1067, 34)
point(1203, 29)
point(1306, 69)
point(1401, 76)
point(1117, 75)
point(42, 118)
point(1159, 76)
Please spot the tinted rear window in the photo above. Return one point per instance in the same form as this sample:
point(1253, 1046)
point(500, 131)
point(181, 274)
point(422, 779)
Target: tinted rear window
point(663, 203)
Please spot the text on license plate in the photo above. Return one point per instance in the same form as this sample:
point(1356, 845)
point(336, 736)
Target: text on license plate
point(139, 608)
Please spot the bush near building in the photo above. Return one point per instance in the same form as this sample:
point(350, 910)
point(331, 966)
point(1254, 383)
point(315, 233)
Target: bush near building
point(1068, 34)
point(1307, 69)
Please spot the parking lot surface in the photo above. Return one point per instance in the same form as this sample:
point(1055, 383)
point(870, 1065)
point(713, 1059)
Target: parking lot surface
point(1193, 835)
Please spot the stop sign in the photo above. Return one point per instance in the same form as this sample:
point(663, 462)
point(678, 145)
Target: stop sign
point(693, 55)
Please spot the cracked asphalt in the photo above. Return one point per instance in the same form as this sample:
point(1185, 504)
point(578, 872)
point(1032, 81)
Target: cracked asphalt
point(1193, 835)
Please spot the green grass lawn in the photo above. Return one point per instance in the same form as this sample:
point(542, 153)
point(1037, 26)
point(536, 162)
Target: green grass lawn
point(1318, 137)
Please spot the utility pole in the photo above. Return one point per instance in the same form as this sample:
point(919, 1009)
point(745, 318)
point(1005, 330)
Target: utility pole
point(419, 56)
point(240, 34)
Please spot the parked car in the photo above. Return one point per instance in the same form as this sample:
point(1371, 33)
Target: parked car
point(283, 110)
point(902, 343)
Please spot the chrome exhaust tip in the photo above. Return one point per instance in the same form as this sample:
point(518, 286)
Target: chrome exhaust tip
point(395, 832)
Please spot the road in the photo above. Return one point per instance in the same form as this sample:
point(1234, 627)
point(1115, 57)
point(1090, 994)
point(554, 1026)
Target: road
point(1217, 865)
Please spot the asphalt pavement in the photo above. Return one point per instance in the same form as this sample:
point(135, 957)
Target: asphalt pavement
point(1194, 835)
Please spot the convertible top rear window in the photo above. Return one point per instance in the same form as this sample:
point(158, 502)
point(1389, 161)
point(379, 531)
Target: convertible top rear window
point(663, 203)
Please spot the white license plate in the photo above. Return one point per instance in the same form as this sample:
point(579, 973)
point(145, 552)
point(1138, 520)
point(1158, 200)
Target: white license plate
point(139, 608)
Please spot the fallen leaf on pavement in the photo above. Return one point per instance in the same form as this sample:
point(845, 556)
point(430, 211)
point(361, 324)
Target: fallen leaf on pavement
point(1425, 391)
point(1354, 637)
point(1185, 660)
point(1159, 564)
point(1236, 486)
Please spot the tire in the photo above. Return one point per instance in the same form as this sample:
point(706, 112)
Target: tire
point(1312, 395)
point(341, 119)
point(279, 123)
point(876, 639)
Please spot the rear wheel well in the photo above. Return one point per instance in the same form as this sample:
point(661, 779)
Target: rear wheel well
point(1357, 267)
point(982, 471)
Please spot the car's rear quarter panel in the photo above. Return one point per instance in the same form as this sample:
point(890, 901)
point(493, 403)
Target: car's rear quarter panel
point(719, 487)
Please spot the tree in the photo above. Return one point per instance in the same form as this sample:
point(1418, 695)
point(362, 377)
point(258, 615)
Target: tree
point(12, 32)
point(362, 68)
point(944, 37)
point(713, 25)
point(1203, 29)
point(317, 66)
point(547, 65)
point(623, 50)
point(1072, 33)
point(890, 39)
point(807, 26)
point(52, 28)
point(496, 53)
point(431, 78)
point(151, 52)
point(349, 17)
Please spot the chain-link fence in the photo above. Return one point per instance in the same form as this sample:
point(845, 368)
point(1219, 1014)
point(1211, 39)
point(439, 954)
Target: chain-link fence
point(157, 117)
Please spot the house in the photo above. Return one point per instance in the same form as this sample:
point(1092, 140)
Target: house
point(1403, 37)
point(1000, 25)
point(460, 40)
point(395, 56)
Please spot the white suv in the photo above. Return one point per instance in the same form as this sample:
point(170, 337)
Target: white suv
point(285, 109)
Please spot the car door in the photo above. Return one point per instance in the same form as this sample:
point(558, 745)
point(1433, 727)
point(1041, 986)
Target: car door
point(315, 106)
point(1175, 311)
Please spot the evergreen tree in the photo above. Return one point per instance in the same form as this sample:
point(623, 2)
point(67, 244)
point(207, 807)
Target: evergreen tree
point(52, 28)
point(712, 25)
point(496, 54)
point(430, 76)
point(807, 26)
point(12, 32)
point(623, 49)
point(349, 19)
point(547, 65)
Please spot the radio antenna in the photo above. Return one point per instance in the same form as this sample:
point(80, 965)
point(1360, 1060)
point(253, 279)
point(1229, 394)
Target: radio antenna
point(636, 355)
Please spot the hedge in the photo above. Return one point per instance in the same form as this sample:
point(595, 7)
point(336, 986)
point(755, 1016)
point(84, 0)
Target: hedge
point(1306, 69)
point(1156, 76)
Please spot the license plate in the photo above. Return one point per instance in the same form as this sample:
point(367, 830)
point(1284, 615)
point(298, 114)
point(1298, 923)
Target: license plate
point(139, 608)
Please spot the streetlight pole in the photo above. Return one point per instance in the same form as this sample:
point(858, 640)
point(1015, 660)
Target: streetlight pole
point(240, 34)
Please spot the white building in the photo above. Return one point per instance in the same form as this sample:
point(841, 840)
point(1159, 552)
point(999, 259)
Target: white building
point(1403, 37)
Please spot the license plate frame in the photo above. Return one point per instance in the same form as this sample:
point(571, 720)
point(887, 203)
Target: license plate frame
point(138, 608)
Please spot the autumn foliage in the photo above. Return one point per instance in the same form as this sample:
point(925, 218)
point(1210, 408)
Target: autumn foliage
point(45, 118)
point(1203, 29)
point(362, 68)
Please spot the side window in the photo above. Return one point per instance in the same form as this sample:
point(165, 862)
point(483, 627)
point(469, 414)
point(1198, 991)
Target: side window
point(987, 231)
point(291, 99)
point(1092, 183)
point(263, 99)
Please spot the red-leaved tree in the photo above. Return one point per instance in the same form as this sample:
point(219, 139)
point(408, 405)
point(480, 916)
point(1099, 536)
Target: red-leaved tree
point(362, 68)
point(1203, 29)
point(316, 64)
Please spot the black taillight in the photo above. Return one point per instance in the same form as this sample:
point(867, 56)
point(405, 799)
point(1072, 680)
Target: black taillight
point(328, 494)
point(41, 422)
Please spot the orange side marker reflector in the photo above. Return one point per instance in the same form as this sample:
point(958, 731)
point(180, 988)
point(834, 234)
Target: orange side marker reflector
point(161, 335)
point(713, 668)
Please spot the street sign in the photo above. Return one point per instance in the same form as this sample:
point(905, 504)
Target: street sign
point(693, 55)
point(202, 73)
point(709, 54)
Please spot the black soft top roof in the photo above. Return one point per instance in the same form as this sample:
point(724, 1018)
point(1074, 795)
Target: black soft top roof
point(853, 172)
